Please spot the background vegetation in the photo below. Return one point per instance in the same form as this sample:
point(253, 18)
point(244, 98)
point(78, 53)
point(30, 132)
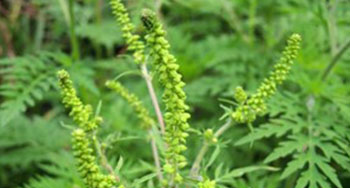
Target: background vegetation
point(220, 44)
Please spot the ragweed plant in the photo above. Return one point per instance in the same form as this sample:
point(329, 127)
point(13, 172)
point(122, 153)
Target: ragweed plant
point(176, 115)
point(219, 45)
point(82, 137)
point(248, 109)
point(176, 110)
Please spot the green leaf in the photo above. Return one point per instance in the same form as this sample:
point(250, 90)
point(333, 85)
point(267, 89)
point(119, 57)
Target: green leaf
point(283, 150)
point(327, 170)
point(298, 163)
point(242, 171)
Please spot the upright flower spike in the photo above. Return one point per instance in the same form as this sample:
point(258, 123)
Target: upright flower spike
point(176, 115)
point(134, 101)
point(87, 167)
point(255, 105)
point(80, 113)
point(133, 40)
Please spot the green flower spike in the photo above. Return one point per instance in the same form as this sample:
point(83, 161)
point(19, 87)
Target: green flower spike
point(134, 101)
point(173, 97)
point(207, 184)
point(87, 167)
point(80, 113)
point(83, 153)
point(132, 40)
point(255, 105)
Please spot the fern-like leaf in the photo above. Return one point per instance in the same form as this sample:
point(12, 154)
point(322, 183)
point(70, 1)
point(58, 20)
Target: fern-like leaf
point(24, 81)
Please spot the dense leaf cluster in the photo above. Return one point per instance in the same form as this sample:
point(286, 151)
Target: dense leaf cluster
point(301, 140)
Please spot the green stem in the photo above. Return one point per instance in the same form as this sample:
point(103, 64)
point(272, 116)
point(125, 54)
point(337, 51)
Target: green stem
point(334, 60)
point(103, 158)
point(73, 38)
point(332, 27)
point(153, 96)
point(196, 165)
point(156, 155)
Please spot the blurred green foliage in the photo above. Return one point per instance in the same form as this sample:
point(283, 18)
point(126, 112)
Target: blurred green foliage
point(219, 44)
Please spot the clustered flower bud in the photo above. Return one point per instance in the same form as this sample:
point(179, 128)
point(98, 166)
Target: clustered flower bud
point(81, 114)
point(207, 184)
point(87, 167)
point(247, 111)
point(176, 115)
point(133, 40)
point(134, 101)
point(210, 137)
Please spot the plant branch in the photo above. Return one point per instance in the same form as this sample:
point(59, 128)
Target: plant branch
point(104, 161)
point(156, 155)
point(196, 165)
point(332, 29)
point(153, 96)
point(335, 59)
point(223, 128)
point(155, 103)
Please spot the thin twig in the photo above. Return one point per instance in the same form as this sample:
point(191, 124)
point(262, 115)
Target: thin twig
point(334, 60)
point(153, 96)
point(156, 155)
point(155, 103)
point(223, 128)
point(104, 161)
point(332, 27)
point(196, 165)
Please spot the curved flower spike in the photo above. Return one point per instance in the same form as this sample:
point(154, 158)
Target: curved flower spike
point(80, 113)
point(255, 105)
point(134, 101)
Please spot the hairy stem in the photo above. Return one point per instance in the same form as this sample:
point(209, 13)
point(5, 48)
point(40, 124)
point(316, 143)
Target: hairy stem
point(104, 161)
point(196, 165)
point(223, 128)
point(335, 59)
point(156, 155)
point(153, 96)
